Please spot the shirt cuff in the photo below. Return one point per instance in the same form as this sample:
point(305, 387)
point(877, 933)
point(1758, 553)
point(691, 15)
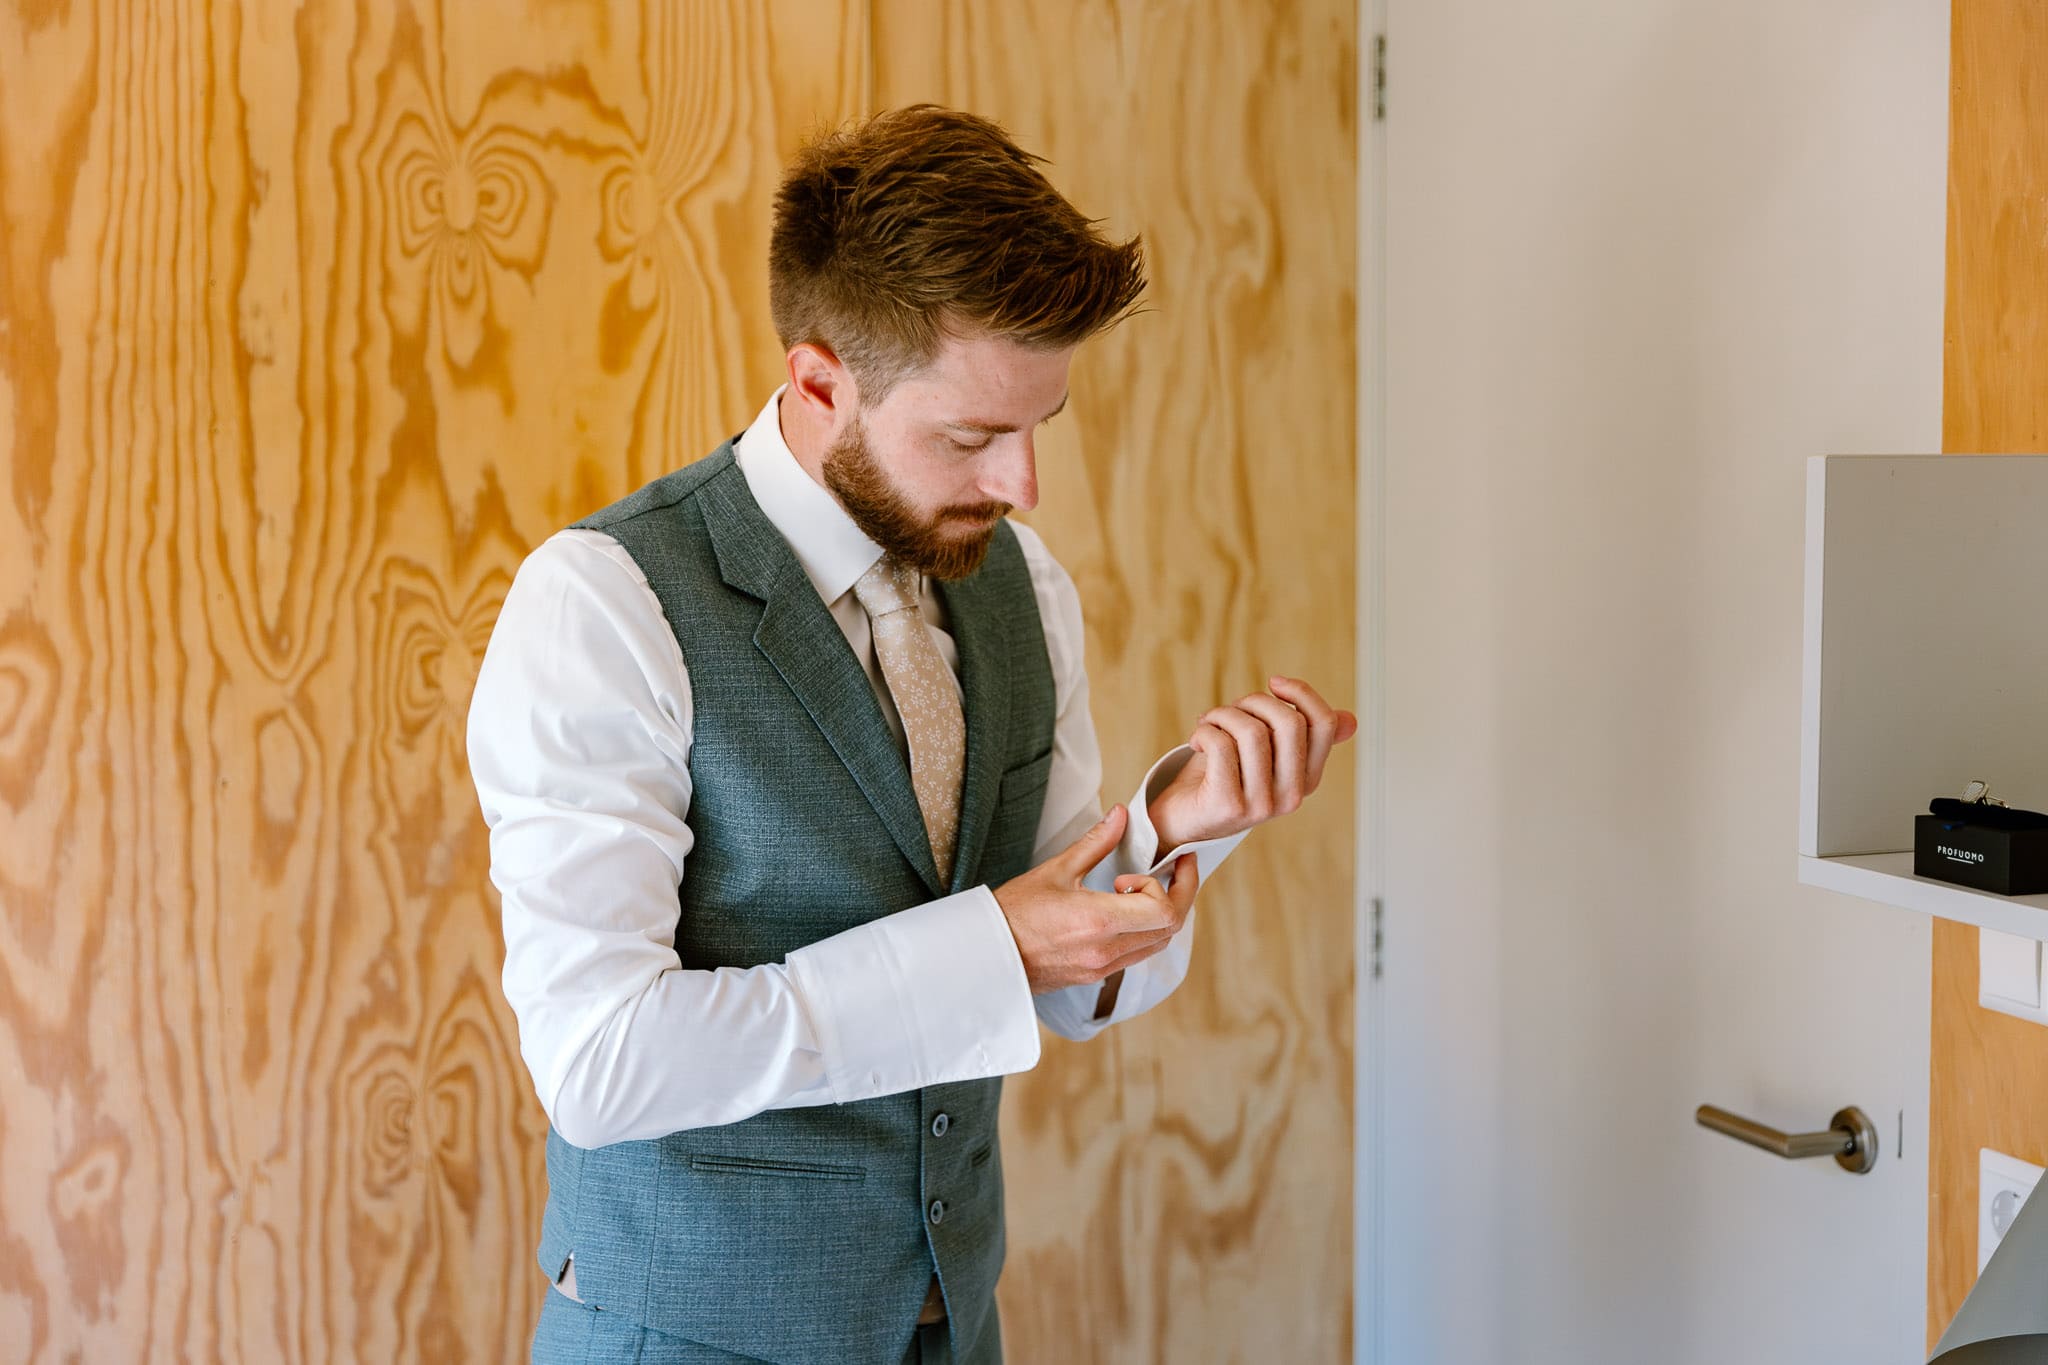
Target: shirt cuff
point(928, 996)
point(1142, 840)
point(1071, 1012)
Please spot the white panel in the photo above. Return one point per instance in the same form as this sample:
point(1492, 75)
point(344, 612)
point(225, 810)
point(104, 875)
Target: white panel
point(1934, 648)
point(2009, 975)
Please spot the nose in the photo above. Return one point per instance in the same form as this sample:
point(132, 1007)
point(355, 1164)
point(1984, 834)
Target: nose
point(1013, 477)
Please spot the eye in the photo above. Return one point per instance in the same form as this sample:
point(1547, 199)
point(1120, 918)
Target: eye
point(965, 446)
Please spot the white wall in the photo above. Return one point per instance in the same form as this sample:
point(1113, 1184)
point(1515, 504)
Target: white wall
point(1643, 258)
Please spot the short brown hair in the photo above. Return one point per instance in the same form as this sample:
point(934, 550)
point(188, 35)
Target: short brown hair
point(924, 220)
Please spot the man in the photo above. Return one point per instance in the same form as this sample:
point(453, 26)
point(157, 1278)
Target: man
point(793, 794)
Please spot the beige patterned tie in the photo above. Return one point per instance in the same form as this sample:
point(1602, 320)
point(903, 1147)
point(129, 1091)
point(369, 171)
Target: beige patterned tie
point(923, 689)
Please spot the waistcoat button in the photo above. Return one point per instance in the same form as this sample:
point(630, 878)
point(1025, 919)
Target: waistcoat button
point(938, 1210)
point(940, 1125)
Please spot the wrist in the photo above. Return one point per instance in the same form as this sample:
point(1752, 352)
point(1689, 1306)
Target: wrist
point(1162, 792)
point(1165, 833)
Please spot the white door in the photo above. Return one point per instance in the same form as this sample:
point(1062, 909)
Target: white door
point(1642, 259)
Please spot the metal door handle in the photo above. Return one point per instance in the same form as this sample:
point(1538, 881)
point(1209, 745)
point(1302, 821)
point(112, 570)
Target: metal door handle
point(1851, 1138)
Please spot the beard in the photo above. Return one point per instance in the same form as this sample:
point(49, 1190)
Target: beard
point(856, 477)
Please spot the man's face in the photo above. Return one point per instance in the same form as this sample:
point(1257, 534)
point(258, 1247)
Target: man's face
point(928, 472)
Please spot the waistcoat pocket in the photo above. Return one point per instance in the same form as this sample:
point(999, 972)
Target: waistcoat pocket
point(1014, 823)
point(799, 1170)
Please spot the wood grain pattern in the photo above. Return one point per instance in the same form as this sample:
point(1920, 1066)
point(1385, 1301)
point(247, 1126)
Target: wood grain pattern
point(1181, 1187)
point(312, 320)
point(1987, 1068)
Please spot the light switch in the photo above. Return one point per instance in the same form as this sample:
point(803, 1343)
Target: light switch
point(2009, 973)
point(2003, 1184)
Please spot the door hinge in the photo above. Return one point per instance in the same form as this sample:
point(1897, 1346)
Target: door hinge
point(1379, 78)
point(1377, 906)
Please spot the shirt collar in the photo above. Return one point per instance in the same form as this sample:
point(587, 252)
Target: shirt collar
point(832, 551)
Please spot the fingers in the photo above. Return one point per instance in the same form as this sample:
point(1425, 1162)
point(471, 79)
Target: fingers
point(1172, 906)
point(1328, 726)
point(1133, 958)
point(1142, 935)
point(1219, 748)
point(1266, 754)
point(1079, 857)
point(1322, 723)
point(1068, 933)
point(1288, 730)
point(1251, 744)
point(1181, 896)
point(1179, 901)
point(1139, 906)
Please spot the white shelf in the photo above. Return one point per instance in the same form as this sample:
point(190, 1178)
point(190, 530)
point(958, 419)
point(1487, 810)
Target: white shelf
point(1888, 878)
point(1926, 666)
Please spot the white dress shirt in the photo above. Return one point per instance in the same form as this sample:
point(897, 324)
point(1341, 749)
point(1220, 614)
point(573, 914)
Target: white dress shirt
point(579, 744)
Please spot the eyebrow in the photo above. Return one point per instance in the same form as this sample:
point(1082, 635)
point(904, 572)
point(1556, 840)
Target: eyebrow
point(1002, 428)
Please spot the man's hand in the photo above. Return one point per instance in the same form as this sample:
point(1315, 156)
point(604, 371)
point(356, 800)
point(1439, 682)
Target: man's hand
point(1070, 936)
point(1254, 760)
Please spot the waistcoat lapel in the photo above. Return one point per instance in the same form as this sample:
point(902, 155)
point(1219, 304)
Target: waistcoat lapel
point(804, 644)
point(976, 621)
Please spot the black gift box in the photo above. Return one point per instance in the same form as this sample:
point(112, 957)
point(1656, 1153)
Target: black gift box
point(2011, 862)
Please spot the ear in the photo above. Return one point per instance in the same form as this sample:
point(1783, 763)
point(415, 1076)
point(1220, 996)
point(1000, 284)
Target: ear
point(821, 384)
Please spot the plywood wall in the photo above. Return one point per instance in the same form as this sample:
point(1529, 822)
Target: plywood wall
point(1990, 1070)
point(312, 321)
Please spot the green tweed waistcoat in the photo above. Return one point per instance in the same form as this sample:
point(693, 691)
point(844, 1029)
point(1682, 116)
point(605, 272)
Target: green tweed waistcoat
point(804, 1234)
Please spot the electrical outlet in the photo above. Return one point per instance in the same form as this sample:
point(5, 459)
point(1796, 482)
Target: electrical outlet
point(2003, 1184)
